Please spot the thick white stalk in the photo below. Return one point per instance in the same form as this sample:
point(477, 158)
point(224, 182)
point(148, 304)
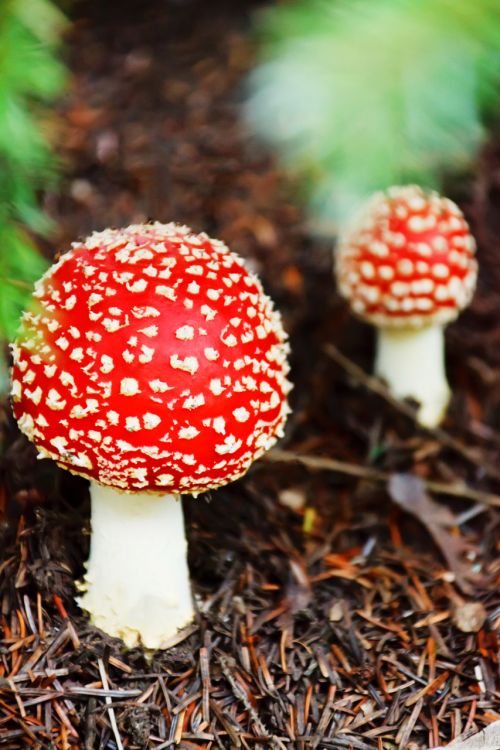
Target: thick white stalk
point(137, 582)
point(412, 363)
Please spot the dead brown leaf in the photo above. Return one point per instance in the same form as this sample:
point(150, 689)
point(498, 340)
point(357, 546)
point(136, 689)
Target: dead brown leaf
point(408, 492)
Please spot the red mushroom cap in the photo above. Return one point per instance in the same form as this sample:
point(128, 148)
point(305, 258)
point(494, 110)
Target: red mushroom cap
point(152, 361)
point(408, 261)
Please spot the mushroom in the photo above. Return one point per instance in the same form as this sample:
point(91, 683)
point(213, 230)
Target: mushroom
point(407, 266)
point(153, 364)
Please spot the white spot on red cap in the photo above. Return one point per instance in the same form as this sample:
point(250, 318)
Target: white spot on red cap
point(424, 303)
point(241, 414)
point(111, 324)
point(52, 325)
point(367, 269)
point(229, 339)
point(417, 224)
point(94, 299)
point(188, 364)
point(386, 272)
point(54, 400)
point(195, 270)
point(422, 286)
point(150, 331)
point(230, 445)
point(188, 433)
point(166, 291)
point(208, 312)
point(165, 479)
point(107, 364)
point(145, 312)
point(211, 353)
point(194, 402)
point(146, 354)
point(216, 386)
point(150, 421)
point(16, 390)
point(405, 267)
point(132, 424)
point(35, 395)
point(159, 386)
point(193, 288)
point(185, 333)
point(219, 425)
point(440, 271)
point(62, 342)
point(140, 285)
point(59, 443)
point(129, 387)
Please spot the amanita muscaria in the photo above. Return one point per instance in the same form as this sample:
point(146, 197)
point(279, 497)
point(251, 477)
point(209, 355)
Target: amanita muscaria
point(407, 267)
point(152, 363)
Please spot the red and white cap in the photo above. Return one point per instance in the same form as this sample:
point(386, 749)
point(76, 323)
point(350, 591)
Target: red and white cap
point(152, 361)
point(408, 260)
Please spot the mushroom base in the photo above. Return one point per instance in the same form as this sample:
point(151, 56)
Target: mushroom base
point(412, 363)
point(137, 582)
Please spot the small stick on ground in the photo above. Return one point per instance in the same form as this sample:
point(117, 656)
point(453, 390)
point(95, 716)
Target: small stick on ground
point(321, 463)
point(111, 713)
point(376, 386)
point(205, 681)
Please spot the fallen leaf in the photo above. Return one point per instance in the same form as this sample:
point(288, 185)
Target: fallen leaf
point(408, 492)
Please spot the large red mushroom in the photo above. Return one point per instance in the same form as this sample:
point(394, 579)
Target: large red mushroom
point(407, 266)
point(152, 363)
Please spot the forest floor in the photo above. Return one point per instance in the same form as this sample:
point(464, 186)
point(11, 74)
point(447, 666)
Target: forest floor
point(348, 587)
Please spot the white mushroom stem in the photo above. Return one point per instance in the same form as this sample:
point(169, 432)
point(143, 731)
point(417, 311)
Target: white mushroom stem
point(411, 361)
point(137, 583)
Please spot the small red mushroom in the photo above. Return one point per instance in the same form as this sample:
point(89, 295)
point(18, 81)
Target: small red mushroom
point(152, 363)
point(407, 266)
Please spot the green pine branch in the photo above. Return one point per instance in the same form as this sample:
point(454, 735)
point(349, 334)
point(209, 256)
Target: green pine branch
point(357, 95)
point(31, 76)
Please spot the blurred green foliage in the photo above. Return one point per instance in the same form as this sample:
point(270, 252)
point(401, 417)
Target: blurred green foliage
point(31, 75)
point(357, 95)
